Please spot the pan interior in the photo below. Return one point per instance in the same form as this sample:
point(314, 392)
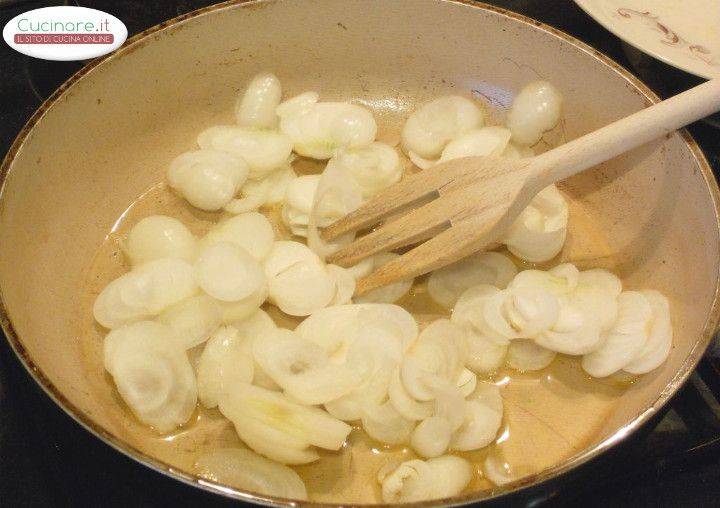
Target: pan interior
point(95, 164)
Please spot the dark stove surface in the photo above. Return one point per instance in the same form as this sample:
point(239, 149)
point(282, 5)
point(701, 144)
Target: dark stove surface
point(46, 459)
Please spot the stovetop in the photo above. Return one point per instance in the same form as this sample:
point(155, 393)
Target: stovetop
point(46, 459)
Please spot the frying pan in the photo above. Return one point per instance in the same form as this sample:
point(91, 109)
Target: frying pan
point(92, 160)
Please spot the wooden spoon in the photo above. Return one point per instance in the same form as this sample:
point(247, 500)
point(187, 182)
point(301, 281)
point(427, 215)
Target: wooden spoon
point(468, 203)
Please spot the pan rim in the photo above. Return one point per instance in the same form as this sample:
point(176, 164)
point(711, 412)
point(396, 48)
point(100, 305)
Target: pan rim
point(139, 40)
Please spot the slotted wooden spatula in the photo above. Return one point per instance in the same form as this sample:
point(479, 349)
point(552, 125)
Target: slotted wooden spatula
point(463, 205)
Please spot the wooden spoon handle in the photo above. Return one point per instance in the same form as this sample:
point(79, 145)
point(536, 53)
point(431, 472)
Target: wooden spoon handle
point(628, 133)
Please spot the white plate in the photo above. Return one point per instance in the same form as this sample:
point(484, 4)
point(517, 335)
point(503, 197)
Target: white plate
point(681, 33)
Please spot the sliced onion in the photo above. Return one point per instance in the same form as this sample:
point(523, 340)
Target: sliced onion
point(485, 355)
point(408, 407)
point(255, 109)
point(144, 292)
point(302, 368)
point(318, 129)
point(269, 441)
point(447, 284)
point(152, 374)
point(262, 150)
point(411, 481)
point(276, 411)
point(246, 470)
point(227, 272)
point(538, 234)
point(596, 296)
point(431, 437)
point(158, 237)
point(466, 382)
point(267, 190)
point(625, 339)
point(536, 109)
point(429, 129)
point(237, 311)
point(250, 231)
point(525, 355)
point(374, 167)
point(482, 419)
point(337, 195)
point(335, 328)
point(298, 203)
point(344, 284)
point(659, 342)
point(487, 141)
point(297, 105)
point(438, 354)
point(208, 179)
point(383, 423)
point(299, 282)
point(469, 310)
point(420, 162)
point(450, 474)
point(226, 360)
point(192, 320)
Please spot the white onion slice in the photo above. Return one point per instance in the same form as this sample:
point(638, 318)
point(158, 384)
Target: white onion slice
point(152, 374)
point(344, 284)
point(144, 292)
point(278, 412)
point(262, 150)
point(255, 109)
point(192, 320)
point(538, 234)
point(208, 179)
point(482, 419)
point(267, 190)
point(525, 355)
point(237, 311)
point(429, 129)
point(438, 355)
point(227, 272)
point(450, 475)
point(411, 481)
point(383, 423)
point(246, 470)
point(487, 141)
point(297, 105)
point(318, 129)
point(466, 382)
point(250, 231)
point(225, 361)
point(401, 400)
point(536, 109)
point(302, 368)
point(468, 313)
point(485, 356)
point(447, 284)
point(273, 443)
point(431, 437)
point(659, 342)
point(157, 237)
point(298, 281)
point(625, 339)
point(337, 195)
point(298, 203)
point(374, 167)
